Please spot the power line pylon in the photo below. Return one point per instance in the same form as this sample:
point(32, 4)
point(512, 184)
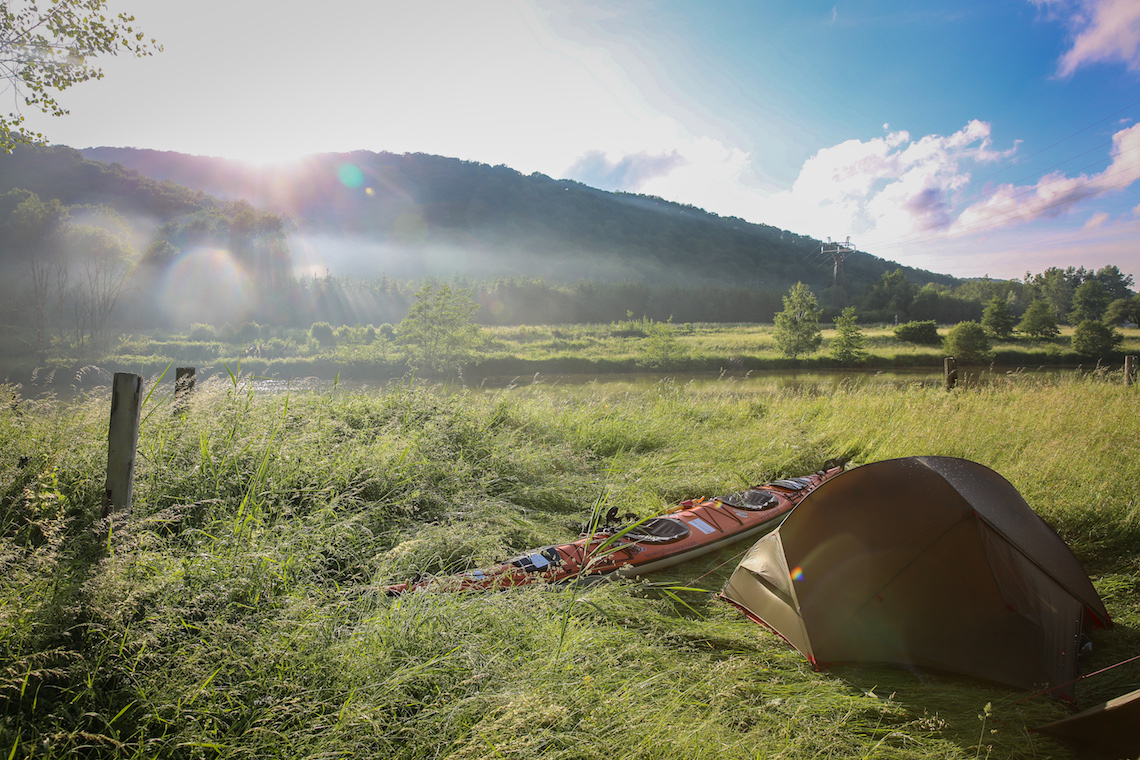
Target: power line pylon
point(838, 252)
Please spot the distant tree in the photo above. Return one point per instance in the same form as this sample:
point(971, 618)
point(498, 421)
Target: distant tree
point(847, 346)
point(1123, 310)
point(1055, 287)
point(938, 303)
point(36, 229)
point(1039, 321)
point(997, 320)
point(892, 294)
point(89, 286)
point(968, 342)
point(1090, 300)
point(439, 331)
point(984, 289)
point(1095, 339)
point(797, 326)
point(46, 50)
point(1114, 281)
point(924, 333)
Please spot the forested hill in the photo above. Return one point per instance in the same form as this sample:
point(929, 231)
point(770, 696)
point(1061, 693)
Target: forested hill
point(63, 174)
point(409, 215)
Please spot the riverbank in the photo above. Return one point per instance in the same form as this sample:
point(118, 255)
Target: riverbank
point(237, 612)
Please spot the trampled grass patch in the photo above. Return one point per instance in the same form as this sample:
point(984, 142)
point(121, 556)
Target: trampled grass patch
point(239, 611)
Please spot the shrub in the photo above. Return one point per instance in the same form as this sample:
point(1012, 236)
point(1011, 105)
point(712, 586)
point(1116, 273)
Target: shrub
point(924, 333)
point(199, 331)
point(249, 331)
point(661, 347)
point(968, 342)
point(631, 328)
point(1095, 339)
point(322, 333)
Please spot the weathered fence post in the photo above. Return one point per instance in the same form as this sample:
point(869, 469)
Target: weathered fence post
point(183, 387)
point(1129, 370)
point(122, 441)
point(950, 370)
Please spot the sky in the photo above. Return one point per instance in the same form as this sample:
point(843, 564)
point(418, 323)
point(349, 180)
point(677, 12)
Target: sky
point(968, 137)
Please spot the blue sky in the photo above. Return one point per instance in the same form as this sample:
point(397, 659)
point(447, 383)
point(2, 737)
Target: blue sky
point(970, 137)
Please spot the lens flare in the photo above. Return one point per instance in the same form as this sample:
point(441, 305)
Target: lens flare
point(350, 175)
point(797, 574)
point(204, 285)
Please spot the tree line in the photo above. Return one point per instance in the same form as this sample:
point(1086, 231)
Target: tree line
point(1089, 304)
point(76, 276)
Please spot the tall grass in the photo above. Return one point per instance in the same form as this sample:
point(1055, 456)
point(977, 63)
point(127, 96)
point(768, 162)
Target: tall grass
point(239, 612)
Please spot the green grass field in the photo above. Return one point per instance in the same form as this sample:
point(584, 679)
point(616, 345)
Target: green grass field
point(237, 613)
point(624, 347)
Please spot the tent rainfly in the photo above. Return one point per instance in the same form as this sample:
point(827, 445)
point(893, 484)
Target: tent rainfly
point(931, 562)
point(1106, 732)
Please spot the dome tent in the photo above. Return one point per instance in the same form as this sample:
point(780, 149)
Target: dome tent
point(932, 562)
point(1107, 731)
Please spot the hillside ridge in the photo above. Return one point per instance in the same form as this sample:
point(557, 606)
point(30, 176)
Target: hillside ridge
point(434, 215)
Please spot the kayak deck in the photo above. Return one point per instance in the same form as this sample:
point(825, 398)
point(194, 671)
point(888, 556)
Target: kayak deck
point(689, 530)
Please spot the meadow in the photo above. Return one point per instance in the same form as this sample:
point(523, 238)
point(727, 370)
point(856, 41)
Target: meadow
point(238, 612)
point(368, 353)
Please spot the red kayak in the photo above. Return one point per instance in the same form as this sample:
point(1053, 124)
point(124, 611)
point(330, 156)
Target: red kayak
point(691, 529)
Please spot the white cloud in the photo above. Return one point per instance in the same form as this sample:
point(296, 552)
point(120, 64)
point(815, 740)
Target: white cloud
point(628, 172)
point(896, 195)
point(1097, 220)
point(1102, 31)
point(1055, 193)
point(883, 188)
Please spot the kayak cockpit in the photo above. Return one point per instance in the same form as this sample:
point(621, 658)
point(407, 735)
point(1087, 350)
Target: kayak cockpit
point(754, 499)
point(538, 561)
point(659, 530)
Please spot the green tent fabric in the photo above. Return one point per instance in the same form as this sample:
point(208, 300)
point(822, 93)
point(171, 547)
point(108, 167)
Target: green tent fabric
point(1109, 731)
point(931, 562)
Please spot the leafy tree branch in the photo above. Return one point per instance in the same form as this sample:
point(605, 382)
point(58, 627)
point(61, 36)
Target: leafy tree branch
point(44, 50)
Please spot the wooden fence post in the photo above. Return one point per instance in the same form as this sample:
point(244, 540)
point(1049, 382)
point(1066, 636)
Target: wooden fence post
point(183, 387)
point(1129, 370)
point(122, 441)
point(950, 370)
